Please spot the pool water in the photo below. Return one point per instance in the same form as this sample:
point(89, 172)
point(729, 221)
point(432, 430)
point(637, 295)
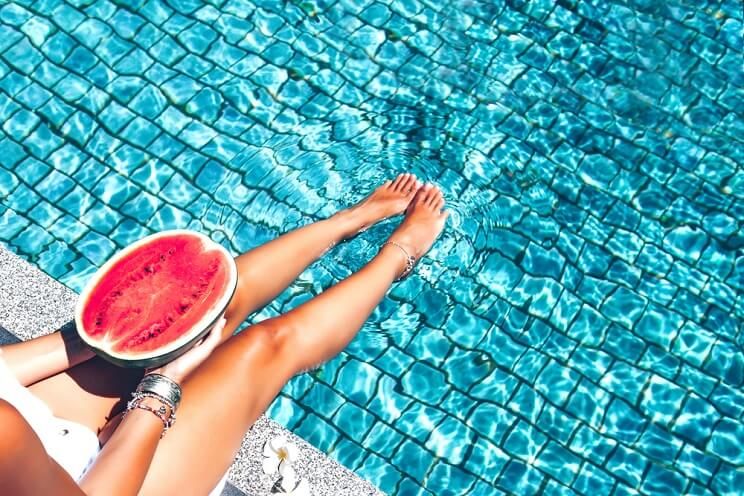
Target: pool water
point(579, 326)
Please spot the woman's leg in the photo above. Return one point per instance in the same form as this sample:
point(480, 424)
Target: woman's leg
point(25, 467)
point(226, 394)
point(269, 269)
point(92, 392)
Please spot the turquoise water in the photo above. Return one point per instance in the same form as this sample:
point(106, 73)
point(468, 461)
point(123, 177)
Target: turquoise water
point(579, 326)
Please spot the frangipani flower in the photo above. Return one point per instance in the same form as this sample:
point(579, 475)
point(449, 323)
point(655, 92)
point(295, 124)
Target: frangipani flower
point(278, 457)
point(289, 483)
point(279, 453)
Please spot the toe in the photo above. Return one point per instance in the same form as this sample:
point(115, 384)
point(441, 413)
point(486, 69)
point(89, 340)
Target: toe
point(421, 194)
point(410, 184)
point(416, 186)
point(432, 195)
point(399, 181)
point(438, 202)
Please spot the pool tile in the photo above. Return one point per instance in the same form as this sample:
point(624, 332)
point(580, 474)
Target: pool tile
point(695, 464)
point(519, 477)
point(412, 459)
point(317, 431)
point(592, 445)
point(524, 441)
point(659, 325)
point(348, 453)
point(455, 480)
point(383, 440)
point(658, 443)
point(728, 480)
point(389, 403)
point(628, 465)
point(464, 368)
point(321, 399)
point(12, 224)
point(424, 383)
point(725, 441)
point(593, 480)
point(558, 462)
point(360, 380)
point(625, 381)
point(353, 421)
point(662, 479)
point(609, 274)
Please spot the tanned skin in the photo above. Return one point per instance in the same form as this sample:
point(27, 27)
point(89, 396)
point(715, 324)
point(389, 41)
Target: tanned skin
point(227, 381)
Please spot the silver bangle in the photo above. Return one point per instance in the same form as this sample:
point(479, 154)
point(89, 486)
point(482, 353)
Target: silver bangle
point(161, 386)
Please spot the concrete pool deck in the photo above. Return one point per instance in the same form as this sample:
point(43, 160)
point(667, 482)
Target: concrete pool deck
point(33, 304)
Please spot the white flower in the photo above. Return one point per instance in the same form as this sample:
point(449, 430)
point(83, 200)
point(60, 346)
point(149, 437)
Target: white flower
point(278, 453)
point(278, 457)
point(289, 483)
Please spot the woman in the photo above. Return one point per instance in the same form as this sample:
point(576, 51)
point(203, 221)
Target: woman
point(226, 383)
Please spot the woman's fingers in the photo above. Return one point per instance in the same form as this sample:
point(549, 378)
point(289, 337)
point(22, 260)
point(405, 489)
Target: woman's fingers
point(216, 333)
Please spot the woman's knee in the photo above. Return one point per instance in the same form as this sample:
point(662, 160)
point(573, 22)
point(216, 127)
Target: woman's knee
point(273, 335)
point(270, 343)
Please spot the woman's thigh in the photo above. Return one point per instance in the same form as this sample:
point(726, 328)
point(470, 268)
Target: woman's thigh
point(25, 467)
point(221, 400)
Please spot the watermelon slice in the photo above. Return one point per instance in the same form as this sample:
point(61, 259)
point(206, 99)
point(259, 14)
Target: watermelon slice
point(153, 300)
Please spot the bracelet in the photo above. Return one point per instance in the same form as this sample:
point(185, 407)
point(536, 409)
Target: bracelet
point(160, 413)
point(410, 260)
point(161, 386)
point(164, 401)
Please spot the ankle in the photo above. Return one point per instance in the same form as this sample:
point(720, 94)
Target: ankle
point(405, 255)
point(350, 222)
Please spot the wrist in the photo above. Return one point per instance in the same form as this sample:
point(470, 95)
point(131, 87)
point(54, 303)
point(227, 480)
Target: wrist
point(159, 395)
point(171, 373)
point(163, 410)
point(156, 404)
point(161, 387)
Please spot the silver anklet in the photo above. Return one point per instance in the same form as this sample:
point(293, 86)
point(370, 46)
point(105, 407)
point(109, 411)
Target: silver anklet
point(410, 260)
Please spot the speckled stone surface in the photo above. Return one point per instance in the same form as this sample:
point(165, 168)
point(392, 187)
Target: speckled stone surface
point(32, 304)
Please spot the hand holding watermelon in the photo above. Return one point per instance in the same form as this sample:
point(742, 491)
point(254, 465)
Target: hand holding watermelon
point(181, 367)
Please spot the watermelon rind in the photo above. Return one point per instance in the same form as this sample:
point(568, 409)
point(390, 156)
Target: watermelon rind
point(173, 350)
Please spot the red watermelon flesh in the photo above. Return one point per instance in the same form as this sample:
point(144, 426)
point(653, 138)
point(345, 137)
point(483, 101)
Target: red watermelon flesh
point(156, 294)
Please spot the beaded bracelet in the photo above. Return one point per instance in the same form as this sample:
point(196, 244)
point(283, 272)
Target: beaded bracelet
point(161, 413)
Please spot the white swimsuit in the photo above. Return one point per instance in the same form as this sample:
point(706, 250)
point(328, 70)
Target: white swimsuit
point(72, 445)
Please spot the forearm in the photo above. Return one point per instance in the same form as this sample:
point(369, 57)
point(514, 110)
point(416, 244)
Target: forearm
point(36, 359)
point(121, 467)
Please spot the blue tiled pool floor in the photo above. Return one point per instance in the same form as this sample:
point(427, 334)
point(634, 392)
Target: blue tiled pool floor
point(578, 328)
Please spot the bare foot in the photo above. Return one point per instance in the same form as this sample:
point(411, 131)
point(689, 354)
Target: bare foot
point(391, 198)
point(423, 223)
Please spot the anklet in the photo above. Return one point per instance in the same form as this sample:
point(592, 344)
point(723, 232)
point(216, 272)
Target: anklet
point(410, 260)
